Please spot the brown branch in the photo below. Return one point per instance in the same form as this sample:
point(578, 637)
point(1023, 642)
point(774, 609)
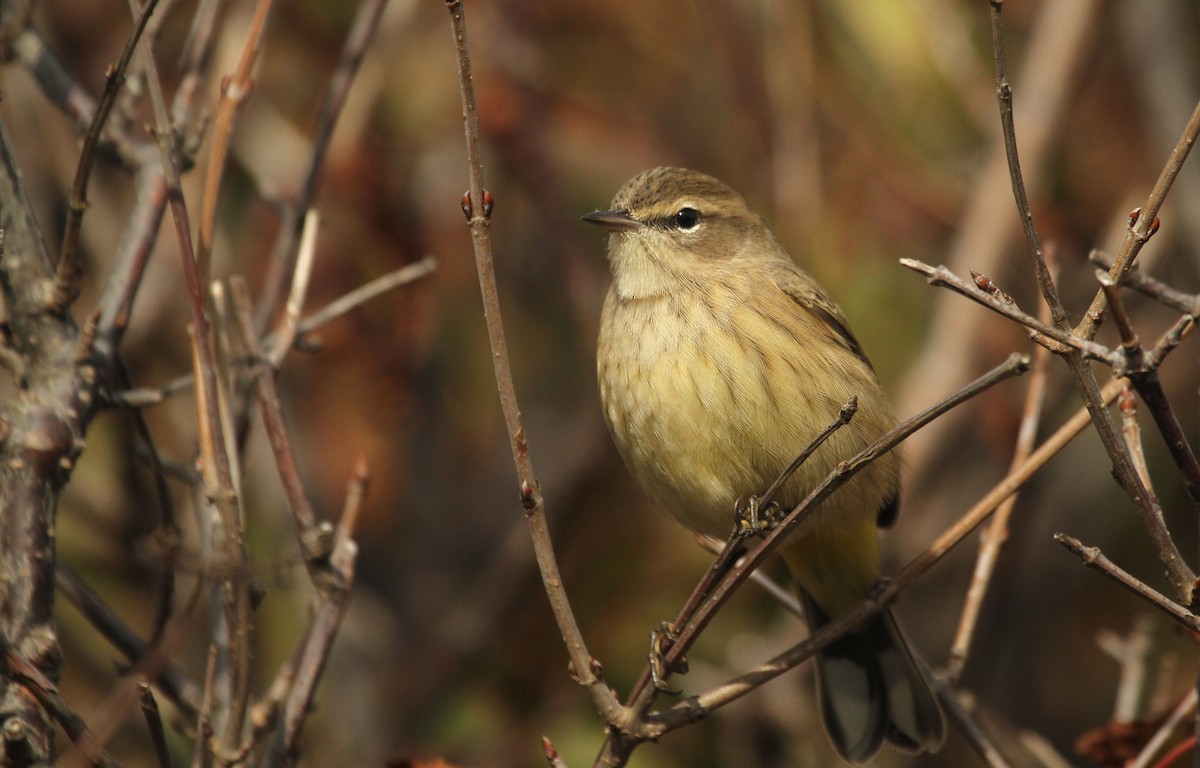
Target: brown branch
point(65, 281)
point(1004, 96)
point(154, 725)
point(478, 207)
point(993, 538)
point(182, 692)
point(1141, 230)
point(235, 89)
point(216, 466)
point(942, 277)
point(1092, 557)
point(314, 538)
point(141, 397)
point(1144, 503)
point(324, 626)
point(1187, 303)
point(283, 254)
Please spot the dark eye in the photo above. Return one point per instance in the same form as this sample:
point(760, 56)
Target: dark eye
point(686, 218)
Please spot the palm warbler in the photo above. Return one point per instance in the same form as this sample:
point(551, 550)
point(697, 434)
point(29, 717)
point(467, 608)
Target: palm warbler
point(719, 360)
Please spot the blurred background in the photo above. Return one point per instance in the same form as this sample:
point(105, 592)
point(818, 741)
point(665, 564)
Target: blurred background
point(862, 131)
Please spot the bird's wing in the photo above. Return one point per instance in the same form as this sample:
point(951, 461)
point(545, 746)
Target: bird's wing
point(804, 291)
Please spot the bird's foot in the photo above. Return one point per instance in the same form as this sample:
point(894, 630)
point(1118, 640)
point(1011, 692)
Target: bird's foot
point(661, 640)
point(754, 519)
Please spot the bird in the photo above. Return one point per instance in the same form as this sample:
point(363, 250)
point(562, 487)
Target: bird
point(718, 360)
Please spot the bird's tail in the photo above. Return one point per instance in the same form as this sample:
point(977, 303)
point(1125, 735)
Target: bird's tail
point(871, 690)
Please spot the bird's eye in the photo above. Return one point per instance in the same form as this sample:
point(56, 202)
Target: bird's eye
point(686, 219)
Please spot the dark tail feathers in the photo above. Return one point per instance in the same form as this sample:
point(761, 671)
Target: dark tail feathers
point(871, 690)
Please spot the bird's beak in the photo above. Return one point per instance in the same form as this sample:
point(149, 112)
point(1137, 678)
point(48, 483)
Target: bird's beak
point(613, 221)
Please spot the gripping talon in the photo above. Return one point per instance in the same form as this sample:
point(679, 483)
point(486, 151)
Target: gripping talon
point(755, 520)
point(661, 640)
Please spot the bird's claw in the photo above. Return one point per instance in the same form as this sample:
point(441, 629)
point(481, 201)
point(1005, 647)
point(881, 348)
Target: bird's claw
point(661, 640)
point(753, 519)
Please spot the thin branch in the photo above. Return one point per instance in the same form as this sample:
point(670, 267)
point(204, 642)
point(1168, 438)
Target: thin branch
point(286, 336)
point(1004, 97)
point(364, 293)
point(314, 538)
point(182, 692)
point(323, 628)
point(65, 287)
point(234, 90)
point(942, 277)
point(1146, 505)
point(215, 464)
point(1187, 303)
point(154, 724)
point(478, 206)
point(1127, 406)
point(962, 718)
point(993, 538)
point(138, 398)
point(1094, 558)
point(283, 254)
point(1142, 229)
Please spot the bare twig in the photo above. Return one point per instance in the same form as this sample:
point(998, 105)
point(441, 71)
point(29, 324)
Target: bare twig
point(1004, 96)
point(323, 628)
point(182, 692)
point(1144, 503)
point(1141, 230)
point(1187, 303)
point(1127, 405)
point(962, 717)
point(283, 254)
point(361, 295)
point(286, 336)
point(1094, 558)
point(479, 208)
point(65, 288)
point(314, 538)
point(234, 90)
point(155, 725)
point(993, 538)
point(942, 277)
point(215, 461)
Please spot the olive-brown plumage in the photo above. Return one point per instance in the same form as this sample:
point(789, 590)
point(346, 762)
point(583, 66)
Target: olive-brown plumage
point(719, 360)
